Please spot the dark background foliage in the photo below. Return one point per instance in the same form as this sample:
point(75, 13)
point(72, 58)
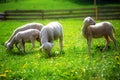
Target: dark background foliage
point(76, 1)
point(99, 2)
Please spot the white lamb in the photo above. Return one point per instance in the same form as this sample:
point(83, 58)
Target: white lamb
point(25, 27)
point(48, 34)
point(21, 37)
point(91, 30)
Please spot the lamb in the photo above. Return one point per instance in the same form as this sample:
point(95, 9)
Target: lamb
point(33, 25)
point(91, 30)
point(21, 37)
point(48, 34)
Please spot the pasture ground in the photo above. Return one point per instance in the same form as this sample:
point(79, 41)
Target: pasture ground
point(73, 64)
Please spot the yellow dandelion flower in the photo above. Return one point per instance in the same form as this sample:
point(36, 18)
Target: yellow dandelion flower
point(117, 58)
point(57, 64)
point(3, 75)
point(38, 55)
point(24, 66)
point(6, 71)
point(86, 57)
point(118, 63)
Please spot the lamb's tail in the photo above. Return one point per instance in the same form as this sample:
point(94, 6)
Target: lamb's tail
point(113, 30)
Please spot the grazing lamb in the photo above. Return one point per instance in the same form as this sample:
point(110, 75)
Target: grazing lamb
point(21, 37)
point(91, 30)
point(48, 34)
point(25, 27)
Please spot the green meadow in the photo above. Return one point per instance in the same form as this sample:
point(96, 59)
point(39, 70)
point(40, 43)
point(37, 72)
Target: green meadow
point(40, 4)
point(74, 63)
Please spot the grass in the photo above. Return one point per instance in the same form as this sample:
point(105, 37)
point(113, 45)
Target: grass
point(37, 4)
point(46, 5)
point(74, 64)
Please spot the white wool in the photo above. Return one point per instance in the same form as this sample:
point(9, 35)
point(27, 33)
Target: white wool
point(21, 37)
point(49, 33)
point(33, 25)
point(91, 30)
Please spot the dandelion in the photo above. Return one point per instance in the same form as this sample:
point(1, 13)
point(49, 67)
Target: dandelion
point(118, 63)
point(86, 57)
point(6, 71)
point(3, 75)
point(24, 66)
point(57, 64)
point(117, 58)
point(38, 55)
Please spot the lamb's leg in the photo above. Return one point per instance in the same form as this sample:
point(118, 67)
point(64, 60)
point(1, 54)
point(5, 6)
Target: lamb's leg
point(33, 44)
point(89, 44)
point(39, 40)
point(114, 40)
point(23, 43)
point(22, 46)
point(17, 47)
point(107, 42)
point(61, 43)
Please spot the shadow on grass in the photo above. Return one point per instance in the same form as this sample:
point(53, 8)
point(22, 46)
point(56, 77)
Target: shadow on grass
point(53, 54)
point(100, 48)
point(58, 54)
point(16, 53)
point(2, 43)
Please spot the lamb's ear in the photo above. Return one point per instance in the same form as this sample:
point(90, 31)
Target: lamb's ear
point(86, 20)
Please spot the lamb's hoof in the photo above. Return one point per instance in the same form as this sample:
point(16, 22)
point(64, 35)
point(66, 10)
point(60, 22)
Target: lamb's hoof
point(21, 52)
point(109, 47)
point(8, 51)
point(49, 55)
point(102, 50)
point(116, 48)
point(40, 50)
point(62, 52)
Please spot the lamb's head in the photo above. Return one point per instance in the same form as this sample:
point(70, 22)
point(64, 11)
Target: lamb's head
point(89, 21)
point(47, 47)
point(9, 46)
